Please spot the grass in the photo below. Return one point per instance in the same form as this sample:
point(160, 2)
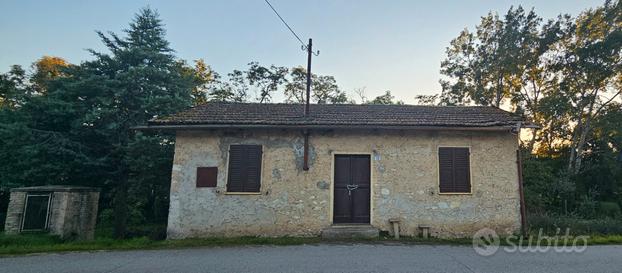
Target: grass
point(40, 243)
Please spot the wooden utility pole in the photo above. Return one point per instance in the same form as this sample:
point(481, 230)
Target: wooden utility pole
point(305, 165)
point(309, 53)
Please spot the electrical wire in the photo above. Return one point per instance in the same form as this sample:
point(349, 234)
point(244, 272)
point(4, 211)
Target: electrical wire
point(304, 46)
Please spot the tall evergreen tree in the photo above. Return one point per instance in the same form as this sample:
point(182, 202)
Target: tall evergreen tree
point(80, 130)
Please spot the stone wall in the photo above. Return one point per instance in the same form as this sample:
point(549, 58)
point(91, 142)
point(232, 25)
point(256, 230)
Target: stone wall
point(73, 210)
point(14, 213)
point(294, 202)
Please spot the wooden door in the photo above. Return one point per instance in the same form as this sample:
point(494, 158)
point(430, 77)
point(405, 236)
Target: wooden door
point(352, 189)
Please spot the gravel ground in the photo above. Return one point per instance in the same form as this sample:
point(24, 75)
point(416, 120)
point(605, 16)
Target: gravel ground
point(319, 258)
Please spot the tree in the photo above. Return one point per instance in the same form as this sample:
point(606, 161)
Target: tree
point(13, 89)
point(47, 69)
point(591, 67)
point(386, 98)
point(427, 99)
point(486, 67)
point(266, 79)
point(79, 131)
point(203, 77)
point(234, 90)
point(324, 89)
point(139, 80)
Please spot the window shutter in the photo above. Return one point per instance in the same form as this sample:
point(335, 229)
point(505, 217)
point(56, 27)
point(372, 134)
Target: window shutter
point(244, 168)
point(454, 170)
point(445, 171)
point(236, 172)
point(462, 176)
point(207, 177)
point(253, 168)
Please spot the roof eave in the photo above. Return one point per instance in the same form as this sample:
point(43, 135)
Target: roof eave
point(317, 126)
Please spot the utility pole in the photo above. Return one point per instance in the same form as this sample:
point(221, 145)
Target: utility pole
point(309, 53)
point(305, 165)
point(309, 48)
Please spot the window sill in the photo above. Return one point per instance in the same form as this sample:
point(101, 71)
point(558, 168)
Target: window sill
point(243, 193)
point(455, 193)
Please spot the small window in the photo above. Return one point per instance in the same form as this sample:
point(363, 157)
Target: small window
point(36, 212)
point(244, 168)
point(207, 177)
point(454, 170)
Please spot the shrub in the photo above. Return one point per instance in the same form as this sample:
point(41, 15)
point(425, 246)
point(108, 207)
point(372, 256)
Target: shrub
point(609, 209)
point(549, 223)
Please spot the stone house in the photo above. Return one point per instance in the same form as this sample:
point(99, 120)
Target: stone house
point(269, 170)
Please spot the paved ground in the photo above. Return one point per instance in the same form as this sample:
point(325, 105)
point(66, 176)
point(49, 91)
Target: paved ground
point(320, 258)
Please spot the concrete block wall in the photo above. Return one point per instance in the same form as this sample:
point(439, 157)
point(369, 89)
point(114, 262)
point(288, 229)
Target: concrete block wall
point(73, 210)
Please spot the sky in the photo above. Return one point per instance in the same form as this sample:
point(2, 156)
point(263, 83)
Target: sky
point(375, 45)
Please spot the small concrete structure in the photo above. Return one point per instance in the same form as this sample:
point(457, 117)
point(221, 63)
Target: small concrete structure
point(424, 231)
point(350, 232)
point(67, 211)
point(395, 222)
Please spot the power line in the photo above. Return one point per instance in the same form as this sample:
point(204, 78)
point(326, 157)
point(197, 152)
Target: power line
point(304, 47)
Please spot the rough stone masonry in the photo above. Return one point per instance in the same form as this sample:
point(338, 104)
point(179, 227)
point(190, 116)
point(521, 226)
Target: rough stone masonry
point(404, 181)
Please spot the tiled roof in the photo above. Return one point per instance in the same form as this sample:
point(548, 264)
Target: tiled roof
point(336, 115)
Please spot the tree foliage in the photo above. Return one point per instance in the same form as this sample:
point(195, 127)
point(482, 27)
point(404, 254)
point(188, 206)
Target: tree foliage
point(386, 98)
point(79, 131)
point(564, 75)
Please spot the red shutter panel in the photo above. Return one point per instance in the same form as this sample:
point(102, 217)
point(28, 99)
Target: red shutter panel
point(207, 176)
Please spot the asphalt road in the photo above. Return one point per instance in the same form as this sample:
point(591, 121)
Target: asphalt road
point(319, 258)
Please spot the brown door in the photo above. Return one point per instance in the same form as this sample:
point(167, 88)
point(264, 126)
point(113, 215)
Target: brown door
point(352, 177)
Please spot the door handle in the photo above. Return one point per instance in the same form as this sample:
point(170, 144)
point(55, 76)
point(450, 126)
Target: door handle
point(351, 187)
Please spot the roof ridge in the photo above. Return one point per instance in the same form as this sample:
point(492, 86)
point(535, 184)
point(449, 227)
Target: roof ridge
point(237, 113)
point(346, 104)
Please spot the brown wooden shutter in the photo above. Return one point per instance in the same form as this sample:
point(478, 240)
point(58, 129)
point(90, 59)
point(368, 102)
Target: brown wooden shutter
point(244, 168)
point(207, 176)
point(253, 168)
point(236, 171)
point(454, 170)
point(462, 176)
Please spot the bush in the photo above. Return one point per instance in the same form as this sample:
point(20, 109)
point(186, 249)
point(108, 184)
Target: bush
point(135, 217)
point(549, 223)
point(153, 232)
point(609, 209)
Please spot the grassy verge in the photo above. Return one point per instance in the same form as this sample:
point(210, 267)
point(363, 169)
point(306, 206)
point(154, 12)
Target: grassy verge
point(39, 243)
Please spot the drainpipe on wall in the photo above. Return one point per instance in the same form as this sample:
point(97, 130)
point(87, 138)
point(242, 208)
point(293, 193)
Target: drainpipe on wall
point(305, 164)
point(519, 164)
point(519, 168)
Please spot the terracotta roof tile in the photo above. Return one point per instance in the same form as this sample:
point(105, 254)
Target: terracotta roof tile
point(340, 114)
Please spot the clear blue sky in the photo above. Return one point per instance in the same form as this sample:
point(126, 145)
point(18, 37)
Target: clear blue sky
point(379, 45)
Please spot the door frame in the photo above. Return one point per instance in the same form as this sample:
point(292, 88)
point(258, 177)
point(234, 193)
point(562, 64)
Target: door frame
point(47, 214)
point(372, 184)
